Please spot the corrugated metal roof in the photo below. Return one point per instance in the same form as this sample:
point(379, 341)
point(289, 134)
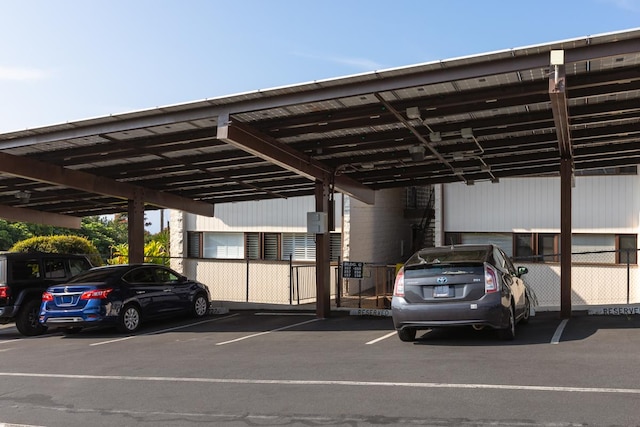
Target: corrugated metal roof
point(351, 126)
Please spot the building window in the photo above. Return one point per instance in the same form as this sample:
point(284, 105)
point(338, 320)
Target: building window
point(262, 246)
point(299, 246)
point(266, 246)
point(585, 248)
point(503, 240)
point(223, 245)
point(548, 247)
point(335, 246)
point(523, 245)
point(627, 249)
point(194, 245)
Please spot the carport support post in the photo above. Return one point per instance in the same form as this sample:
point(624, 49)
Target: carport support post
point(566, 178)
point(136, 228)
point(323, 267)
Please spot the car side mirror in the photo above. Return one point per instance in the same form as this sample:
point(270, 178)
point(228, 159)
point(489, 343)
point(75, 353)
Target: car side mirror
point(522, 271)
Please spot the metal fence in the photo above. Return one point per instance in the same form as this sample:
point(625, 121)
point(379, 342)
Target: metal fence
point(256, 281)
point(597, 278)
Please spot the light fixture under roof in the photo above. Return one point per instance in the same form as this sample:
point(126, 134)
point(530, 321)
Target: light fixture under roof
point(413, 113)
point(435, 137)
point(467, 133)
point(416, 152)
point(24, 196)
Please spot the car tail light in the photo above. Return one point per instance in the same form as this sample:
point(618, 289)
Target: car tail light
point(47, 296)
point(4, 292)
point(490, 280)
point(96, 294)
point(398, 287)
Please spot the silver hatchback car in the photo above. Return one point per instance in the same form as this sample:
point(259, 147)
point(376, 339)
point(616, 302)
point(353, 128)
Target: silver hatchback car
point(460, 285)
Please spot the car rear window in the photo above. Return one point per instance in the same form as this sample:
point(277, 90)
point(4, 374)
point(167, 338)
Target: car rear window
point(448, 257)
point(427, 270)
point(99, 275)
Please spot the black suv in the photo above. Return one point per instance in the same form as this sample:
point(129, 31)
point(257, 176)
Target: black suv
point(23, 279)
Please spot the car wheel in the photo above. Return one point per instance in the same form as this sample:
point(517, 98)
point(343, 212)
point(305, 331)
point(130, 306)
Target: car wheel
point(27, 320)
point(509, 333)
point(200, 306)
point(130, 319)
point(407, 334)
point(527, 311)
point(71, 331)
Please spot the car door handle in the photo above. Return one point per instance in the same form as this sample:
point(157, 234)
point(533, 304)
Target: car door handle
point(140, 292)
point(166, 290)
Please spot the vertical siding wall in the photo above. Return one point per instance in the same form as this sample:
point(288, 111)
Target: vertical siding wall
point(602, 204)
point(377, 235)
point(279, 215)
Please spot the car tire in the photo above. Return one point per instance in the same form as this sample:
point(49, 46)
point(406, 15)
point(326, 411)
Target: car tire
point(200, 306)
point(407, 334)
point(130, 319)
point(509, 333)
point(527, 311)
point(27, 320)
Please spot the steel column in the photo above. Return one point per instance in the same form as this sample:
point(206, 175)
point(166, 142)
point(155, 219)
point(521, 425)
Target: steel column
point(136, 228)
point(323, 266)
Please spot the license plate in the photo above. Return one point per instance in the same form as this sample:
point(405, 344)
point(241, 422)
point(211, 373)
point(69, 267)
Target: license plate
point(441, 291)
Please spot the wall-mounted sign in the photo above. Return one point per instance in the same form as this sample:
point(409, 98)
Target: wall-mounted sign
point(352, 270)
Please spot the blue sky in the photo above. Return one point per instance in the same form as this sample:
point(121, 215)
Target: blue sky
point(67, 60)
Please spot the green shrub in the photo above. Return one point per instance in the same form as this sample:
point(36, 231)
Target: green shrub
point(59, 245)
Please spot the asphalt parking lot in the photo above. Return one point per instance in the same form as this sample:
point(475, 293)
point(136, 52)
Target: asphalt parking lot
point(281, 368)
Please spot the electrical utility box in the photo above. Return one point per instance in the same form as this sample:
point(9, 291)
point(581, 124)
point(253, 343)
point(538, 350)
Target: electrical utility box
point(317, 222)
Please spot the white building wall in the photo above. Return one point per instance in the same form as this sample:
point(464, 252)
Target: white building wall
point(273, 215)
point(601, 204)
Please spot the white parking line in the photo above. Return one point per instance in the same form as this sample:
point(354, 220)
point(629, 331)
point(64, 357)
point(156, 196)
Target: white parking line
point(384, 337)
point(471, 386)
point(556, 337)
point(162, 330)
point(266, 332)
point(285, 314)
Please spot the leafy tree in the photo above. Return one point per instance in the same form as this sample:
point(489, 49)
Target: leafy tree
point(155, 251)
point(11, 232)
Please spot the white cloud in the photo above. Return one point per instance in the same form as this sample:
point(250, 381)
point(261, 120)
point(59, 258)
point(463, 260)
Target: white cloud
point(630, 5)
point(21, 73)
point(361, 64)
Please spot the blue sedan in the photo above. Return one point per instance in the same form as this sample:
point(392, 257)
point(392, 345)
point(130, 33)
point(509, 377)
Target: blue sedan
point(122, 296)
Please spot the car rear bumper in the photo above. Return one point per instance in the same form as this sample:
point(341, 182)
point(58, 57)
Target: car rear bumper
point(75, 319)
point(487, 311)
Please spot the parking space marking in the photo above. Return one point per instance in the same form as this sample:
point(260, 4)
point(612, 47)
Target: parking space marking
point(285, 314)
point(346, 383)
point(556, 337)
point(384, 337)
point(161, 331)
point(266, 332)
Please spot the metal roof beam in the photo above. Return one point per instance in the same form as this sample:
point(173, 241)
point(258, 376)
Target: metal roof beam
point(559, 104)
point(38, 217)
point(36, 170)
point(244, 137)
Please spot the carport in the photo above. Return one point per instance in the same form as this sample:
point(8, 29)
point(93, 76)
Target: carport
point(549, 109)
